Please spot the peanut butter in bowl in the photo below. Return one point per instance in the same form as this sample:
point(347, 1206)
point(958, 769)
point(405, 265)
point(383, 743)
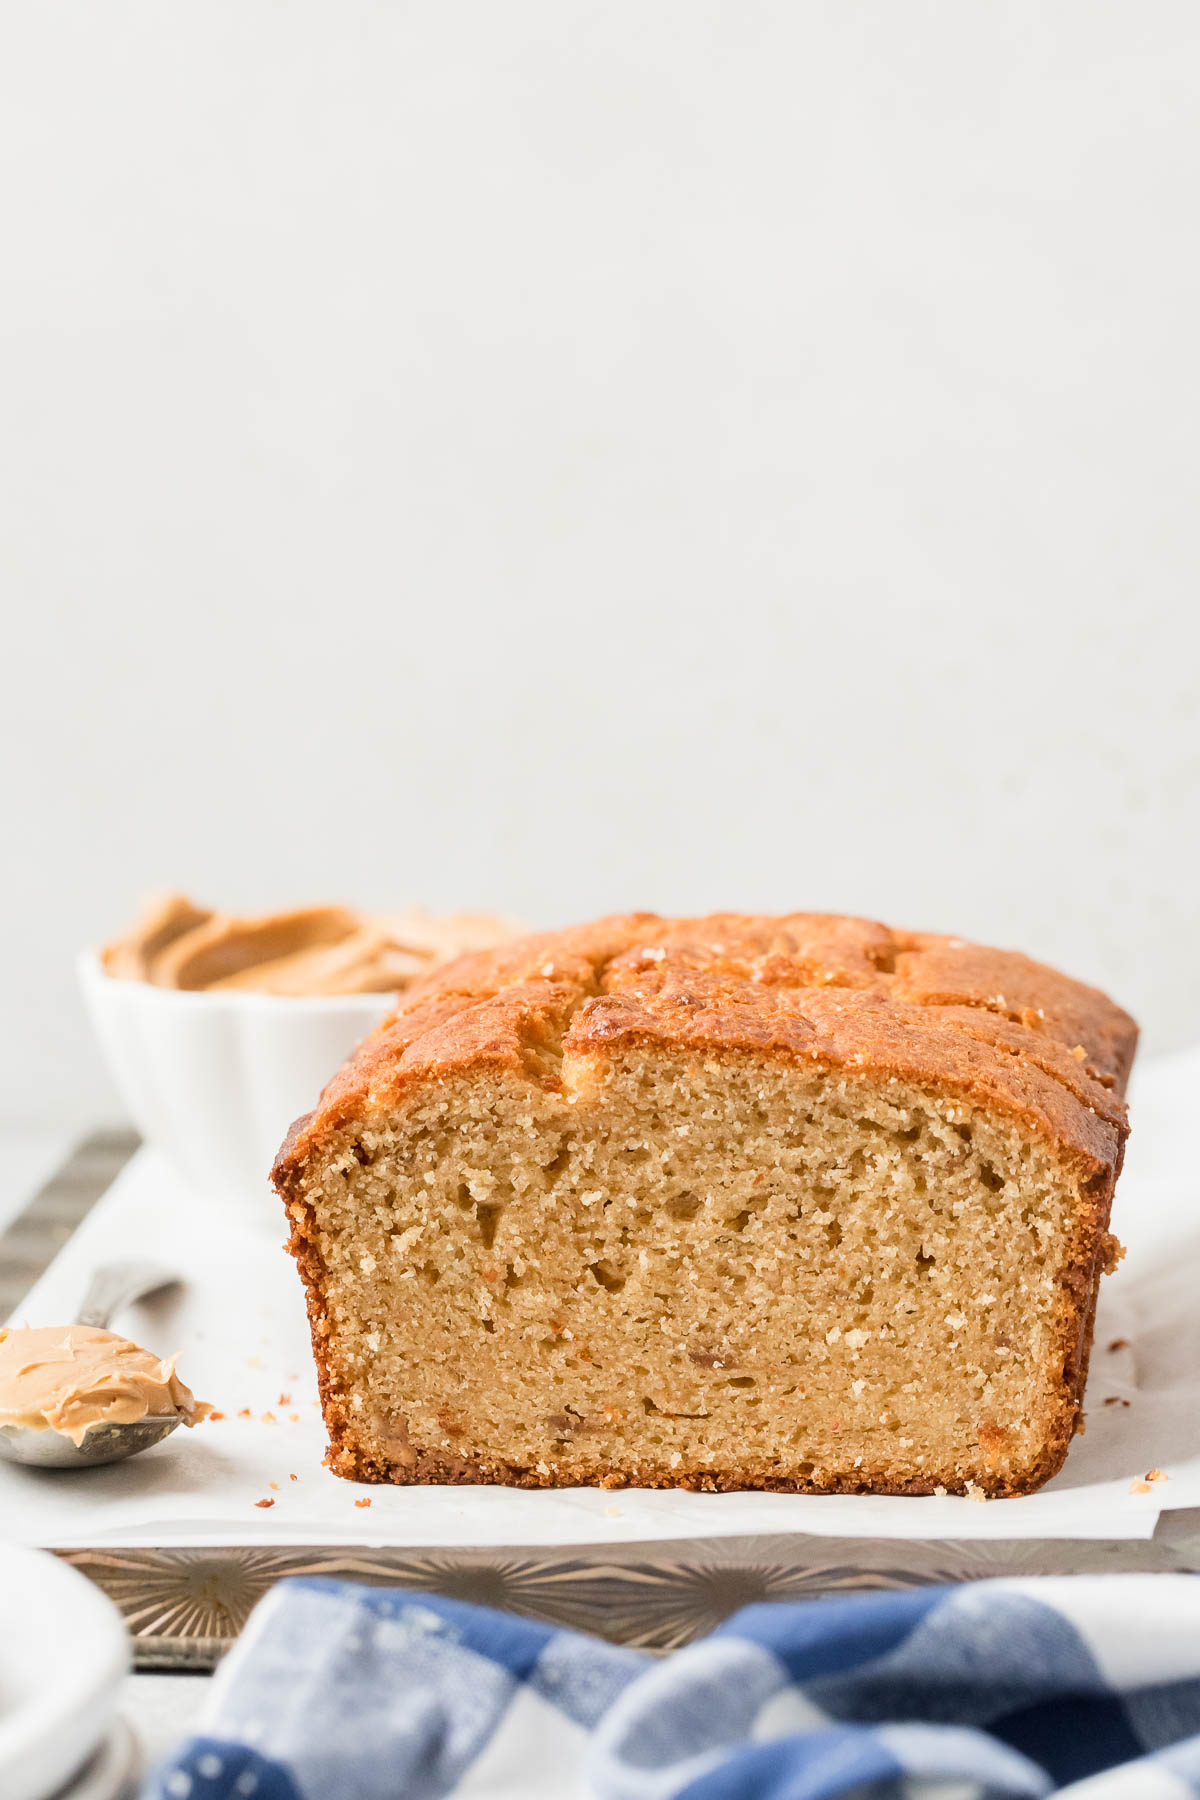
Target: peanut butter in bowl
point(219, 1031)
point(308, 951)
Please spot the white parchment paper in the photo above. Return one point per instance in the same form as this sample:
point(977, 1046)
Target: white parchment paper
point(241, 1332)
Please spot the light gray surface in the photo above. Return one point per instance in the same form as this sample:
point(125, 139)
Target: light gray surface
point(27, 1159)
point(163, 1710)
point(569, 458)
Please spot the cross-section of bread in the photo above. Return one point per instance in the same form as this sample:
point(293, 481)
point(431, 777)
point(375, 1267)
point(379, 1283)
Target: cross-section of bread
point(798, 1203)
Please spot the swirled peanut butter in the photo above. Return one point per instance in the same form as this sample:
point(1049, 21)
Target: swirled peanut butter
point(69, 1378)
point(312, 950)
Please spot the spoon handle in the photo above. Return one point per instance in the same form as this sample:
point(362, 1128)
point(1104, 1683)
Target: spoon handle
point(119, 1284)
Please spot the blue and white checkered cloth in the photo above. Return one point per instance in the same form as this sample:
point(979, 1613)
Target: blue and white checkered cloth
point(1082, 1685)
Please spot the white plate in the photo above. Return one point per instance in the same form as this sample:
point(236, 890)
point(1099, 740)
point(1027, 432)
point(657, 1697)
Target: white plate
point(63, 1655)
point(112, 1773)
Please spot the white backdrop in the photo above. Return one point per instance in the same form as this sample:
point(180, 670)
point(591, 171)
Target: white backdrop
point(562, 457)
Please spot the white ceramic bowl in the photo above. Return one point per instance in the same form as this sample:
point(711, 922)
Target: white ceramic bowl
point(63, 1655)
point(215, 1079)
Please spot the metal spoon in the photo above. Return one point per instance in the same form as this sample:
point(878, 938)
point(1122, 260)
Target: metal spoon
point(115, 1286)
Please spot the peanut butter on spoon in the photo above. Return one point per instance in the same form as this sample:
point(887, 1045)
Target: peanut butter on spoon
point(74, 1378)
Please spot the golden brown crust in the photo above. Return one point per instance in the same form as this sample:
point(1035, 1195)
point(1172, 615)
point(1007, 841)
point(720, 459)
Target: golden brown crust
point(411, 1466)
point(989, 1025)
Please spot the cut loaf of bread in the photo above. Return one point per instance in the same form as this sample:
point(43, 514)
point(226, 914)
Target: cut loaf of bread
point(734, 1202)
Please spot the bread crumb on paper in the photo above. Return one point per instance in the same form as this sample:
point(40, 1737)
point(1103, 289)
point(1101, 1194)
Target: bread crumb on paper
point(264, 1503)
point(1139, 1487)
point(1157, 1475)
point(1119, 1344)
point(362, 1503)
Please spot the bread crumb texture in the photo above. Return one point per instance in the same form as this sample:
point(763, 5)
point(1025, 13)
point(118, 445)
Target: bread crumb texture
point(797, 1203)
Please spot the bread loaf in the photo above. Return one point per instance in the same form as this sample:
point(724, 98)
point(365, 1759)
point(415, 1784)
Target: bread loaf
point(799, 1203)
